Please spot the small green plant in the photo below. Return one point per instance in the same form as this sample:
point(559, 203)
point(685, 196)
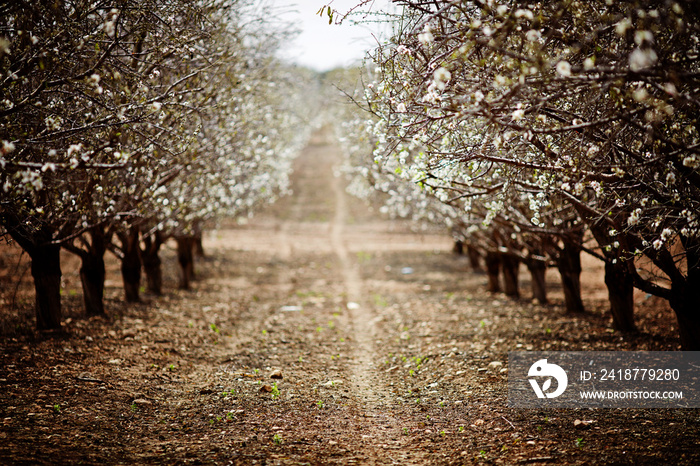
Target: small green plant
point(225, 393)
point(482, 324)
point(275, 391)
point(460, 429)
point(441, 404)
point(319, 403)
point(442, 433)
point(171, 367)
point(257, 371)
point(548, 330)
point(579, 442)
point(133, 407)
point(411, 372)
point(405, 430)
point(214, 328)
point(264, 332)
point(331, 324)
point(301, 359)
point(277, 439)
point(379, 300)
point(57, 409)
point(229, 416)
point(190, 324)
point(482, 454)
point(319, 329)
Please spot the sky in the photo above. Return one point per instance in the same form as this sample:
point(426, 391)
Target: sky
point(321, 46)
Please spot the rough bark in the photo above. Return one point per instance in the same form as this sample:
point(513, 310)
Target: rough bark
point(538, 271)
point(152, 264)
point(685, 298)
point(511, 269)
point(493, 267)
point(46, 267)
point(92, 273)
point(185, 257)
point(687, 308)
point(46, 271)
point(131, 264)
point(620, 286)
point(569, 266)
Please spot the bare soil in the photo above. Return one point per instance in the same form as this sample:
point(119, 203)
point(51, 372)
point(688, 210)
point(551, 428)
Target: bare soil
point(317, 333)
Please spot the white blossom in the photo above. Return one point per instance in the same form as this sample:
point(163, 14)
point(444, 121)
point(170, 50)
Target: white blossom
point(641, 59)
point(564, 68)
point(441, 77)
point(7, 147)
point(533, 35)
point(426, 37)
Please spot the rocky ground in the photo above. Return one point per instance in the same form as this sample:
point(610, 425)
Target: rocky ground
point(318, 333)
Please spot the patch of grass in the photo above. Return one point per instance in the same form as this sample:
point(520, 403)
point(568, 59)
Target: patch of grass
point(379, 300)
point(363, 256)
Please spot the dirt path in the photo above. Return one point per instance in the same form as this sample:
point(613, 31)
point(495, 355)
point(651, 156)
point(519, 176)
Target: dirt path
point(317, 333)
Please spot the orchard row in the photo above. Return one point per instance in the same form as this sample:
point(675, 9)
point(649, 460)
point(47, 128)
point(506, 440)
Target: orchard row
point(540, 130)
point(124, 123)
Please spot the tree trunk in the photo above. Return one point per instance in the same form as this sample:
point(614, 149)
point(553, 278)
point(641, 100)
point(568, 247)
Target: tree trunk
point(131, 265)
point(511, 269)
point(685, 300)
point(185, 257)
point(152, 263)
point(686, 305)
point(493, 267)
point(538, 272)
point(621, 296)
point(458, 247)
point(569, 265)
point(474, 258)
point(92, 273)
point(46, 271)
